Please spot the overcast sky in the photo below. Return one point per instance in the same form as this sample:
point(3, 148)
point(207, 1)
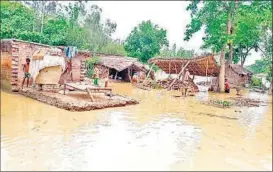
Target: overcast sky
point(170, 15)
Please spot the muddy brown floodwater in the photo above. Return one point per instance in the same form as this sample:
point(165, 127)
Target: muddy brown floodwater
point(160, 133)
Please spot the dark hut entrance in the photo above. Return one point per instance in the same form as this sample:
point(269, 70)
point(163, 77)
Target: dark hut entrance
point(122, 75)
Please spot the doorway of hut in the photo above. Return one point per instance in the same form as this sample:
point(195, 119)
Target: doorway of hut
point(122, 75)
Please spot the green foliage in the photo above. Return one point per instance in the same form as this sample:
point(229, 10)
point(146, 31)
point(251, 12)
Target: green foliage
point(15, 18)
point(255, 82)
point(249, 21)
point(258, 67)
point(90, 65)
point(145, 41)
point(113, 48)
point(180, 53)
point(223, 103)
point(71, 25)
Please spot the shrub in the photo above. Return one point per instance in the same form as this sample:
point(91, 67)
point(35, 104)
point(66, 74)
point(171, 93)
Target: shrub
point(90, 64)
point(255, 81)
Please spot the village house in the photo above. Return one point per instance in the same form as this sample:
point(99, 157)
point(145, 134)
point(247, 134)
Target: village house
point(14, 53)
point(237, 75)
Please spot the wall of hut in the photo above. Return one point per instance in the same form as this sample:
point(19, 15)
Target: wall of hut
point(104, 71)
point(235, 78)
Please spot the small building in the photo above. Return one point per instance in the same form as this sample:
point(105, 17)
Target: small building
point(237, 75)
point(121, 67)
point(199, 66)
point(14, 53)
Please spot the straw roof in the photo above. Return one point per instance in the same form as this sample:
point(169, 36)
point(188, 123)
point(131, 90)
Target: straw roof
point(239, 69)
point(199, 66)
point(121, 63)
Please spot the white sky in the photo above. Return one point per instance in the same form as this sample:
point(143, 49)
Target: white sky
point(170, 15)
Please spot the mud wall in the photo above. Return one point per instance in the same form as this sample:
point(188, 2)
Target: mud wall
point(6, 60)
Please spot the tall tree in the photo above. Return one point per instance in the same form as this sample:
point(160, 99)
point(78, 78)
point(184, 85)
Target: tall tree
point(145, 41)
point(216, 17)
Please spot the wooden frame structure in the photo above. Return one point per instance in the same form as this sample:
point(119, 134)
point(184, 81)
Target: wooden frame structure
point(200, 66)
point(87, 88)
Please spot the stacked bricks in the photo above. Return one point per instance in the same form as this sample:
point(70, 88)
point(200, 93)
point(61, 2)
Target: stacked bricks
point(82, 68)
point(15, 66)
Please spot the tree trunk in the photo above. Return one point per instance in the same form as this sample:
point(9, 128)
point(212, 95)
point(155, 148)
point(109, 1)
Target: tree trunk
point(229, 26)
point(222, 71)
point(230, 56)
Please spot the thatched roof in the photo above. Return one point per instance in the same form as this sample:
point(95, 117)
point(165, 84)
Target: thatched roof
point(239, 69)
point(197, 66)
point(121, 63)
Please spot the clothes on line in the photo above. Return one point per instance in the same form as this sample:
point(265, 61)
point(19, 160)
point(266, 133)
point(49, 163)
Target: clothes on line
point(70, 52)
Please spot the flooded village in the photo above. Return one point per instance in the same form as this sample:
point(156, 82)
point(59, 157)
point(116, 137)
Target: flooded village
point(66, 107)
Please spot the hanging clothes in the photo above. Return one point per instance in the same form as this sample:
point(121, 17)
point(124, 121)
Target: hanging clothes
point(70, 52)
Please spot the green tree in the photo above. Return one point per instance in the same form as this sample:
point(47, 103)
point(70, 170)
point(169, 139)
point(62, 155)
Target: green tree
point(216, 17)
point(145, 41)
point(15, 20)
point(180, 53)
point(233, 28)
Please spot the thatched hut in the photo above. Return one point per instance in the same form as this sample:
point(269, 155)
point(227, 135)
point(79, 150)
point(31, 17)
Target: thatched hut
point(121, 67)
point(237, 75)
point(200, 66)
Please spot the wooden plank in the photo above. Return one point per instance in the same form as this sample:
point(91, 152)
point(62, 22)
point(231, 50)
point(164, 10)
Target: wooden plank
point(90, 94)
point(149, 72)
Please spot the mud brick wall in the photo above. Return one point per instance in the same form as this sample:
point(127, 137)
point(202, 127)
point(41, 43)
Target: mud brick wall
point(104, 71)
point(6, 60)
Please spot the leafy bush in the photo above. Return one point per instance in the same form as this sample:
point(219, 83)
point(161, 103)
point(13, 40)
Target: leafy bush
point(90, 65)
point(255, 81)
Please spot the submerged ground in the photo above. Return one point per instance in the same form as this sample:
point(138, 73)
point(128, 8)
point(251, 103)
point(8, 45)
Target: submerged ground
point(160, 133)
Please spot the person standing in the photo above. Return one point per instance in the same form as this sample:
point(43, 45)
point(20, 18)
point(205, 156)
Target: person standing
point(227, 87)
point(96, 76)
point(26, 72)
point(186, 81)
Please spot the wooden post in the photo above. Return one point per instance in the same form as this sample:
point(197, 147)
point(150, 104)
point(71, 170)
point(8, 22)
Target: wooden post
point(180, 73)
point(179, 77)
point(129, 75)
point(207, 70)
point(149, 72)
point(116, 75)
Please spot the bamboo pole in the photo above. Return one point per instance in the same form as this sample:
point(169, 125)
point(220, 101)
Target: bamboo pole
point(179, 75)
point(149, 72)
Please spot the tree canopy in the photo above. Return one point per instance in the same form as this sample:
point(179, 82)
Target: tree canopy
point(51, 23)
point(145, 41)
